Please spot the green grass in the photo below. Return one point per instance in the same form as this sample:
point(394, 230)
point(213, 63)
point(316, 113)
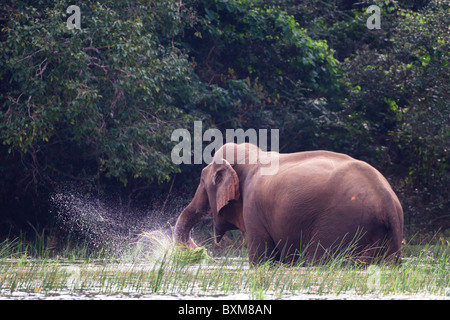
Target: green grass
point(156, 267)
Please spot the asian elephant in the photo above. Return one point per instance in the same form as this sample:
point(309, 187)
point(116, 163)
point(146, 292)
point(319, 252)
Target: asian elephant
point(314, 205)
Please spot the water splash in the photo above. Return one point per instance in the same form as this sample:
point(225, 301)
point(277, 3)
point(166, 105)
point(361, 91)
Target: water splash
point(123, 232)
point(152, 245)
point(158, 245)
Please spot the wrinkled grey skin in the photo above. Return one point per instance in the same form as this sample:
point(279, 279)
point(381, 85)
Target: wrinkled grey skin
point(316, 203)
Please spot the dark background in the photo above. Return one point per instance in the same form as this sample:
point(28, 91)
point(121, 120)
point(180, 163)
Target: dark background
point(92, 110)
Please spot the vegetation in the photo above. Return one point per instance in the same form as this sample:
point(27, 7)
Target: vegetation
point(424, 273)
point(96, 107)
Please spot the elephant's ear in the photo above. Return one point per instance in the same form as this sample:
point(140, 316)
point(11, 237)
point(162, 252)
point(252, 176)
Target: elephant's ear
point(227, 182)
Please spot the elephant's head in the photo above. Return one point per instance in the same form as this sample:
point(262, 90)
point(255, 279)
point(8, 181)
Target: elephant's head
point(216, 194)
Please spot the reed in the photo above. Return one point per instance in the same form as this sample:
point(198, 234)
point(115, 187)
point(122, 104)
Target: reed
point(157, 267)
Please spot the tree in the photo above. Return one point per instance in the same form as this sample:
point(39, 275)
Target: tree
point(90, 103)
point(260, 69)
point(398, 104)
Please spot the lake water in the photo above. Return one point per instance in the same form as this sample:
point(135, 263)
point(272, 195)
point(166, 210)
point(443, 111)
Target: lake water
point(230, 279)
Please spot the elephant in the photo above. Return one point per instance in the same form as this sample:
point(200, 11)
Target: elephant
point(315, 205)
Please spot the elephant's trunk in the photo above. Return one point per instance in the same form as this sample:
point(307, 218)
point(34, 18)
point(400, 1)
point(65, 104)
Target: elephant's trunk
point(186, 221)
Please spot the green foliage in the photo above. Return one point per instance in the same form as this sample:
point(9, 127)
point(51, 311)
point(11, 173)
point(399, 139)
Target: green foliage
point(95, 105)
point(106, 94)
point(266, 43)
point(401, 107)
point(263, 70)
point(99, 104)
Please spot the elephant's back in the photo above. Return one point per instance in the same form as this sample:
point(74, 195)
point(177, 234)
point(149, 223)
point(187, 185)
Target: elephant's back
point(322, 193)
point(305, 176)
point(319, 173)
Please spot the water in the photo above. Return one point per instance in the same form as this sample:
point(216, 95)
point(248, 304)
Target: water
point(163, 277)
point(106, 224)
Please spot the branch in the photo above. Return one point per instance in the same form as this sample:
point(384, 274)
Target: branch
point(438, 218)
point(41, 69)
point(30, 55)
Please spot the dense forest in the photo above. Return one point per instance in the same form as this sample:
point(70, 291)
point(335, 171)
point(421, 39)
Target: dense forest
point(95, 106)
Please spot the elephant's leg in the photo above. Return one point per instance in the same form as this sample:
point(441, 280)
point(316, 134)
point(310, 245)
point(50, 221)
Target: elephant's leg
point(262, 252)
point(261, 246)
point(261, 249)
point(315, 253)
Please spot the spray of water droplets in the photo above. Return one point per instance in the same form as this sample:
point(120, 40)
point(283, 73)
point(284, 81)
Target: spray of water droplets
point(108, 226)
